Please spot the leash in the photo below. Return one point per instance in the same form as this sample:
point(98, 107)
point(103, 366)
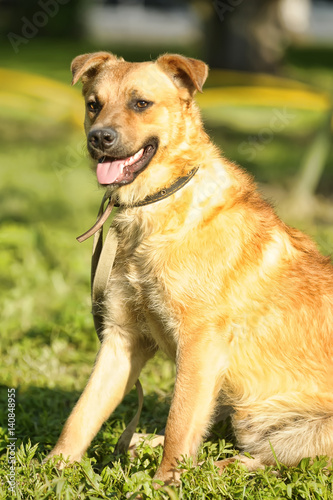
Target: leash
point(103, 256)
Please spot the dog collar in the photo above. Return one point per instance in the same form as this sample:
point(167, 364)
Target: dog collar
point(164, 193)
point(104, 214)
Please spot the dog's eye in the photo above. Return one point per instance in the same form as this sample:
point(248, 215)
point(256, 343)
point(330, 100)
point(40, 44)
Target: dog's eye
point(142, 104)
point(92, 106)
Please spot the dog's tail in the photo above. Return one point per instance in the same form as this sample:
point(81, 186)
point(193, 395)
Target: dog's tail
point(287, 427)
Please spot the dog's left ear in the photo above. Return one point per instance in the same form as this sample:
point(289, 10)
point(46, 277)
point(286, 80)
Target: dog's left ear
point(87, 62)
point(184, 71)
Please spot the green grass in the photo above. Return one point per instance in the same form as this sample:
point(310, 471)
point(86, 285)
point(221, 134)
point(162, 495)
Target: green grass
point(47, 197)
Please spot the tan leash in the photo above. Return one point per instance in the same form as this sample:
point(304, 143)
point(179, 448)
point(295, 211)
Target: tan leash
point(103, 256)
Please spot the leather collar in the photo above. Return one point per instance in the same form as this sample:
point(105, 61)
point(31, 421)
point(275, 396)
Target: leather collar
point(163, 193)
point(104, 214)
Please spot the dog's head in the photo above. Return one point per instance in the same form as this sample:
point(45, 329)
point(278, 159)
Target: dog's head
point(139, 115)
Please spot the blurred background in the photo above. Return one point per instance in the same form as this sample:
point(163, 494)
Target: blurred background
point(267, 104)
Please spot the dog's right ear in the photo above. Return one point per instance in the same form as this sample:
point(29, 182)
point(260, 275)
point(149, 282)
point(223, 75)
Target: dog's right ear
point(88, 62)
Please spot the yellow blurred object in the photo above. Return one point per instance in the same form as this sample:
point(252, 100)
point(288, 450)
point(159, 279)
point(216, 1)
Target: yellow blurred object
point(26, 94)
point(233, 88)
point(263, 96)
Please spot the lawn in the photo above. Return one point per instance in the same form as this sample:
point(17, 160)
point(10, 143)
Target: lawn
point(48, 345)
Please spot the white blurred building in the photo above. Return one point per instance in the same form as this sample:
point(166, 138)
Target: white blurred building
point(149, 21)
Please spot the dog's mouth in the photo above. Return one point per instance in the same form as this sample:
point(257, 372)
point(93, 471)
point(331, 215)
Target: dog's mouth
point(124, 170)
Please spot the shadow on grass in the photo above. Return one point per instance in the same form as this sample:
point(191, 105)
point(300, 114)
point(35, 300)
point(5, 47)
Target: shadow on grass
point(40, 414)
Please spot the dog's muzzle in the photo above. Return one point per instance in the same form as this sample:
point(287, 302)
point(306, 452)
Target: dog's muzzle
point(116, 165)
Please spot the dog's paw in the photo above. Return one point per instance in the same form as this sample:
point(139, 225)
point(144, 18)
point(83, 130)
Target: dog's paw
point(251, 464)
point(61, 459)
point(170, 477)
point(58, 461)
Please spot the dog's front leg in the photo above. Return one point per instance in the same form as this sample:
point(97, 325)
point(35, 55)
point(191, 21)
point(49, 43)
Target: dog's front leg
point(116, 370)
point(200, 367)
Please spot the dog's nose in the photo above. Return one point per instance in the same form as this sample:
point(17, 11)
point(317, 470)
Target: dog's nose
point(102, 138)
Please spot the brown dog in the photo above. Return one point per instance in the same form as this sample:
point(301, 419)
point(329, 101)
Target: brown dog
point(210, 275)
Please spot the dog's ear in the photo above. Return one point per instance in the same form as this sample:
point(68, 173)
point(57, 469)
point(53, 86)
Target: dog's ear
point(88, 62)
point(184, 71)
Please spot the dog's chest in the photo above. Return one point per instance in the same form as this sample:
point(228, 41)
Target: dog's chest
point(143, 278)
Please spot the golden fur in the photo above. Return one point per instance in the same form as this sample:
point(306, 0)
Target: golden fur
point(210, 275)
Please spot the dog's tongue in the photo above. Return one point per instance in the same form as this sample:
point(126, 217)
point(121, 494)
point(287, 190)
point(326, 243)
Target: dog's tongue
point(109, 172)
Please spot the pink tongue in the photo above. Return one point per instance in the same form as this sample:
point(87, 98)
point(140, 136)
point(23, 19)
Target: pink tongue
point(109, 171)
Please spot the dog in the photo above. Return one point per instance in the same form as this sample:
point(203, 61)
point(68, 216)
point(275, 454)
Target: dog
point(208, 274)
